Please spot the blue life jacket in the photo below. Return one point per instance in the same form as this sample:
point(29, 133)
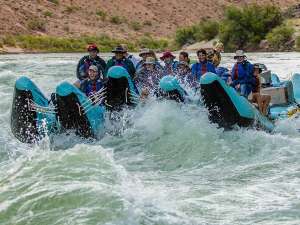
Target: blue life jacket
point(173, 65)
point(200, 68)
point(242, 73)
point(89, 87)
point(223, 73)
point(120, 63)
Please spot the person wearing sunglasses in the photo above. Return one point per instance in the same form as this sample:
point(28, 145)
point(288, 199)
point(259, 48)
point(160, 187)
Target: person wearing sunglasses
point(242, 77)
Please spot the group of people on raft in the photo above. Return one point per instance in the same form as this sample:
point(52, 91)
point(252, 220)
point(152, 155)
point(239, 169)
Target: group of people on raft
point(146, 72)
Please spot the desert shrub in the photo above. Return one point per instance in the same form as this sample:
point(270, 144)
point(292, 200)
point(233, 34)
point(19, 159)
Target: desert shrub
point(8, 40)
point(279, 36)
point(185, 35)
point(71, 9)
point(152, 43)
point(204, 30)
point(246, 27)
point(37, 24)
point(101, 14)
point(136, 25)
point(147, 23)
point(116, 20)
point(56, 2)
point(48, 14)
point(62, 44)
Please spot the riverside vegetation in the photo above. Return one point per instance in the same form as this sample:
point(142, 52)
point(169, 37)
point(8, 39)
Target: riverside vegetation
point(242, 28)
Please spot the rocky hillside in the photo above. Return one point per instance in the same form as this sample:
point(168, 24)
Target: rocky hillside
point(117, 18)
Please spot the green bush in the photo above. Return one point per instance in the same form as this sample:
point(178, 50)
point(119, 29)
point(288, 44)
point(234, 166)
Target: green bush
point(56, 2)
point(8, 40)
point(101, 14)
point(298, 43)
point(246, 27)
point(48, 14)
point(136, 25)
point(185, 35)
point(204, 30)
point(71, 9)
point(116, 20)
point(58, 44)
point(37, 24)
point(279, 36)
point(147, 23)
point(151, 43)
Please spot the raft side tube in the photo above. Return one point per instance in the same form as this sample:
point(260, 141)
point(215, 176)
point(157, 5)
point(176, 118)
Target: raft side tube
point(227, 108)
point(120, 89)
point(87, 121)
point(27, 125)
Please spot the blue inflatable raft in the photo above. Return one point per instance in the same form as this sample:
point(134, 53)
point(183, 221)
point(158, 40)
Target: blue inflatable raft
point(77, 112)
point(170, 88)
point(120, 89)
point(227, 108)
point(31, 117)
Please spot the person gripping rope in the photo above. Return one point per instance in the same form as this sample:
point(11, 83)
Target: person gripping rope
point(92, 84)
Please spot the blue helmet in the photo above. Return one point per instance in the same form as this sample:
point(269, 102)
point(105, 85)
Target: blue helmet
point(170, 83)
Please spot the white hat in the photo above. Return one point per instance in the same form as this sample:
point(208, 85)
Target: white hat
point(144, 51)
point(94, 68)
point(239, 53)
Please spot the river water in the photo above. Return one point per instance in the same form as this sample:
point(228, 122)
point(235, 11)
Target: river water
point(171, 166)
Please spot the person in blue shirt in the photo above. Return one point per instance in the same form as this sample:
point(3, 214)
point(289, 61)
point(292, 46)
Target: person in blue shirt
point(201, 67)
point(242, 74)
point(92, 84)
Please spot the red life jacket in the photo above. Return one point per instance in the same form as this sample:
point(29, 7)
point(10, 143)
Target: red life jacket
point(203, 68)
point(236, 72)
point(94, 86)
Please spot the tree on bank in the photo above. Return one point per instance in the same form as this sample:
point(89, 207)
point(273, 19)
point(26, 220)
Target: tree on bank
point(246, 27)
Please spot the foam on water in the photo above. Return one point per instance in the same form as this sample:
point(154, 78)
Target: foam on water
point(167, 165)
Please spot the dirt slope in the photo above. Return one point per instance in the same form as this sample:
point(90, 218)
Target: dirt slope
point(95, 17)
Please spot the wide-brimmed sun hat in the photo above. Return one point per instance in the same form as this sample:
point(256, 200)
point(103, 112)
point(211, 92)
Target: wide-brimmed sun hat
point(119, 49)
point(167, 54)
point(239, 53)
point(144, 51)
